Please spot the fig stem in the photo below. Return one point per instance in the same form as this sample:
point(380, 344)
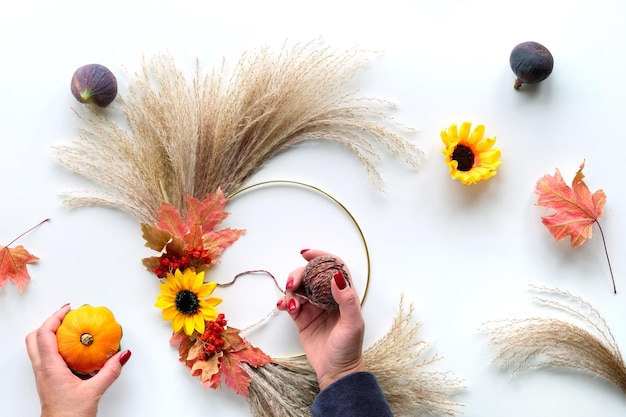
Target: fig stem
point(607, 256)
point(518, 84)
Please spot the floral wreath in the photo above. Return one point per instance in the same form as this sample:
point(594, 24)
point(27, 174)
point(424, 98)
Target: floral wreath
point(214, 351)
point(187, 146)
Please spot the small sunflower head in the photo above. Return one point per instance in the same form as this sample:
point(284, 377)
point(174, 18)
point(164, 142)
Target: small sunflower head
point(468, 154)
point(185, 300)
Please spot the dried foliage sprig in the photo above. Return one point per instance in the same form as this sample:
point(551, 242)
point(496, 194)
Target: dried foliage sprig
point(14, 261)
point(185, 137)
point(575, 208)
point(585, 343)
point(399, 360)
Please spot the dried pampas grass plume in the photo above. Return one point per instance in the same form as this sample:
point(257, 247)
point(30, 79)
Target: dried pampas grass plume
point(180, 137)
point(287, 387)
point(538, 342)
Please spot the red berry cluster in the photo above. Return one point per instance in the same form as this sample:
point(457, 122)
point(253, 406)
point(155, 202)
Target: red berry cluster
point(212, 339)
point(197, 256)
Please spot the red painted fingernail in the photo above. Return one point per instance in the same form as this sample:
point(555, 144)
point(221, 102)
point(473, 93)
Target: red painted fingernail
point(303, 251)
point(289, 283)
point(340, 280)
point(292, 305)
point(280, 302)
point(124, 357)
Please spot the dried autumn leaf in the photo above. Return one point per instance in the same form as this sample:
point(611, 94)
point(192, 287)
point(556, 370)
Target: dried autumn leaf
point(13, 266)
point(14, 263)
point(171, 221)
point(206, 369)
point(156, 239)
point(231, 369)
point(208, 213)
point(173, 233)
point(225, 366)
point(231, 365)
point(576, 209)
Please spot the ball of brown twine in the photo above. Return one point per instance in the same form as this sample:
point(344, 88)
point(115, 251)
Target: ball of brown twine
point(316, 280)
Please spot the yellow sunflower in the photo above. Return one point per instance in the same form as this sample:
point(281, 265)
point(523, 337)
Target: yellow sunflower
point(185, 300)
point(469, 155)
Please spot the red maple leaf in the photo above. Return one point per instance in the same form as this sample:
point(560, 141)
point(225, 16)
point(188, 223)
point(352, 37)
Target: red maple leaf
point(231, 368)
point(14, 263)
point(177, 236)
point(576, 209)
point(226, 366)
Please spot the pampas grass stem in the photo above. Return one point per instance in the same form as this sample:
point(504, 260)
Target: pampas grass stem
point(584, 343)
point(182, 136)
point(398, 359)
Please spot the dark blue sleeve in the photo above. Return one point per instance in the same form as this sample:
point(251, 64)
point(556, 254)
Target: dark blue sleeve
point(354, 395)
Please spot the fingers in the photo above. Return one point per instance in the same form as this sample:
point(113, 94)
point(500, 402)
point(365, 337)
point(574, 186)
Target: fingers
point(53, 322)
point(110, 371)
point(345, 293)
point(347, 299)
point(309, 254)
point(289, 300)
point(41, 344)
point(294, 280)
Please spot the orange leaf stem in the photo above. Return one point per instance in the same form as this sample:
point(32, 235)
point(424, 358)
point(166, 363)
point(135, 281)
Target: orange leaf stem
point(32, 228)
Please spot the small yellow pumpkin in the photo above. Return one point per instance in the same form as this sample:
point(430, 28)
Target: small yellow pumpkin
point(87, 337)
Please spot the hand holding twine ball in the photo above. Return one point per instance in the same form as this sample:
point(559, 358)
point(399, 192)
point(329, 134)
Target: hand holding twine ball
point(316, 279)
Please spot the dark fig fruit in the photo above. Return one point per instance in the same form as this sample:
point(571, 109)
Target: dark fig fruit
point(94, 83)
point(531, 62)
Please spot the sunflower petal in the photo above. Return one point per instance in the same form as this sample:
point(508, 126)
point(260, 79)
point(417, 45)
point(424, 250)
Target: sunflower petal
point(453, 131)
point(198, 323)
point(476, 136)
point(484, 144)
point(209, 312)
point(169, 312)
point(177, 322)
point(464, 131)
point(188, 325)
point(164, 301)
point(213, 301)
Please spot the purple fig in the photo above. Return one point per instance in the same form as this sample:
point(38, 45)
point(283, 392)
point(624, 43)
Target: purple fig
point(531, 62)
point(94, 83)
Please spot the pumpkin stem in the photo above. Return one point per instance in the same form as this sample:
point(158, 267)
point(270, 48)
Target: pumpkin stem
point(86, 339)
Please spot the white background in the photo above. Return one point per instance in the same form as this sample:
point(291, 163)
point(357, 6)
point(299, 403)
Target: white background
point(462, 255)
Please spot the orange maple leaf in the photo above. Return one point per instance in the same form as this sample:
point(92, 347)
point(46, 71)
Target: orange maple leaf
point(576, 209)
point(14, 261)
point(174, 234)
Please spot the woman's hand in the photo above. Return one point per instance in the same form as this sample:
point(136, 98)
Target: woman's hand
point(332, 339)
point(63, 394)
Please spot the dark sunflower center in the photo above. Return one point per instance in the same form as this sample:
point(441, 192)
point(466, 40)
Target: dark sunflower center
point(187, 302)
point(464, 156)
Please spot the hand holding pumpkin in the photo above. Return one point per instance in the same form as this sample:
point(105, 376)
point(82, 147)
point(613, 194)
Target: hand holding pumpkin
point(62, 392)
point(87, 338)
